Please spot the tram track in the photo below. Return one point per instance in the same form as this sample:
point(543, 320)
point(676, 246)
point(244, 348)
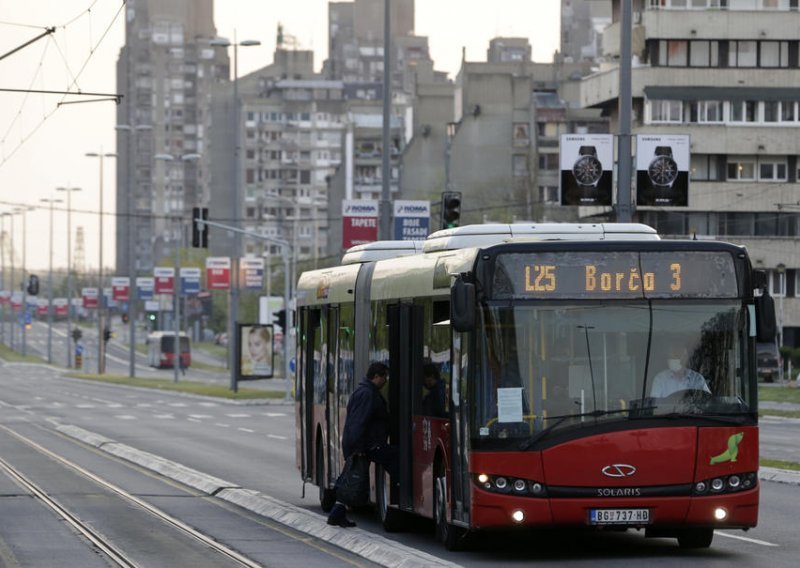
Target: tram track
point(104, 544)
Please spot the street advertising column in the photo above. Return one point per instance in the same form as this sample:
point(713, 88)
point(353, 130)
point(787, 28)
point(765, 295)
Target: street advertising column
point(120, 288)
point(586, 169)
point(90, 296)
point(218, 273)
point(251, 273)
point(359, 222)
point(145, 286)
point(165, 279)
point(257, 351)
point(412, 220)
point(662, 169)
point(190, 281)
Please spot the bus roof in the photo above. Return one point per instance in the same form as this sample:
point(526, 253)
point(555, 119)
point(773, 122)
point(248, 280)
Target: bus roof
point(496, 233)
point(380, 250)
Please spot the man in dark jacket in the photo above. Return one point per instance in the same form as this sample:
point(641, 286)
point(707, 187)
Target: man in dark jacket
point(366, 430)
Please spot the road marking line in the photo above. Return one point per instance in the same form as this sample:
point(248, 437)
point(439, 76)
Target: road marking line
point(221, 425)
point(194, 420)
point(126, 417)
point(746, 539)
point(238, 415)
point(248, 430)
point(276, 437)
point(208, 404)
point(200, 416)
point(273, 414)
point(178, 404)
point(164, 416)
point(84, 406)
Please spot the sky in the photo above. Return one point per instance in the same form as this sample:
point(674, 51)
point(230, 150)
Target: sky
point(43, 145)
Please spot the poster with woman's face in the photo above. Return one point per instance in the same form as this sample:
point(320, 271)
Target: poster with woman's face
point(256, 351)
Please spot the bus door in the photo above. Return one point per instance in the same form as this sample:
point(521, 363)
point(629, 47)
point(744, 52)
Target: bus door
point(309, 333)
point(330, 316)
point(405, 323)
point(459, 459)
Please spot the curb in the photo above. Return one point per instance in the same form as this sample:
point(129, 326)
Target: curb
point(367, 545)
point(786, 476)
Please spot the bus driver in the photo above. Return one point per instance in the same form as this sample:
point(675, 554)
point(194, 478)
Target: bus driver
point(677, 376)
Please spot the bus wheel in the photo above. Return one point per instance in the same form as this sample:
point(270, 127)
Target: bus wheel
point(451, 536)
point(695, 538)
point(391, 519)
point(327, 497)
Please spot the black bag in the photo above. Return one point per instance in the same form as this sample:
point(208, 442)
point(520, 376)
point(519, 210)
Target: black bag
point(352, 487)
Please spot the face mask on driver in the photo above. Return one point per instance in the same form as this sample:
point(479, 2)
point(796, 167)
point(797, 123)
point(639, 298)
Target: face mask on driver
point(674, 365)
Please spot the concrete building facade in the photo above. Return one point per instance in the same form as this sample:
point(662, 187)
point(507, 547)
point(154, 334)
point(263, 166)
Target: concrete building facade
point(726, 75)
point(166, 70)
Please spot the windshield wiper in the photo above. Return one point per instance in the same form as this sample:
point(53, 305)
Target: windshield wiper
point(713, 418)
point(545, 432)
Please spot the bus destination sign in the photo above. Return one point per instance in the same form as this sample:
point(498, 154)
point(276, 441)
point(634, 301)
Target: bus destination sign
point(629, 274)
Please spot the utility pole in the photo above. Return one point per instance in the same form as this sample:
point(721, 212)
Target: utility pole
point(385, 209)
point(625, 163)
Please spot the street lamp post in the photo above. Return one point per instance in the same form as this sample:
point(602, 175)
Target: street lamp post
point(176, 314)
point(237, 239)
point(101, 344)
point(50, 284)
point(131, 236)
point(69, 191)
point(23, 211)
point(13, 282)
point(781, 268)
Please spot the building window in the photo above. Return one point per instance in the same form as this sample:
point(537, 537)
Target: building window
point(519, 165)
point(742, 53)
point(704, 54)
point(704, 167)
point(788, 111)
point(772, 168)
point(741, 169)
point(774, 54)
point(706, 111)
point(743, 111)
point(673, 53)
point(522, 135)
point(548, 194)
point(665, 111)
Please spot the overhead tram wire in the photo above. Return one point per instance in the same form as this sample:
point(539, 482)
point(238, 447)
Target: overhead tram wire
point(92, 51)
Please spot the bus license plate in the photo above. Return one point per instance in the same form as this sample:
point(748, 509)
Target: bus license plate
point(619, 516)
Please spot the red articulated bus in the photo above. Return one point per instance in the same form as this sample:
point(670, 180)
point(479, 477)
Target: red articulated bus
point(555, 344)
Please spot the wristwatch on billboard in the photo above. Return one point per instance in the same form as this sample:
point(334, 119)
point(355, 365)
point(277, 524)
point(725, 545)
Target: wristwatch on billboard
point(663, 170)
point(587, 169)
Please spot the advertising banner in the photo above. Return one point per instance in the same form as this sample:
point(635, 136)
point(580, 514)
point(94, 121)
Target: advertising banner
point(145, 286)
point(359, 222)
point(5, 296)
point(41, 307)
point(190, 281)
point(587, 162)
point(60, 307)
point(16, 301)
point(411, 220)
point(90, 296)
point(251, 273)
point(256, 352)
point(662, 169)
point(165, 279)
point(218, 273)
point(120, 286)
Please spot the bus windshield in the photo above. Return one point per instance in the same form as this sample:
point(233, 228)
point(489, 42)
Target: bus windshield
point(543, 366)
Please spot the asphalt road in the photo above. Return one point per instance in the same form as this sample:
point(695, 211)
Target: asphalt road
point(253, 446)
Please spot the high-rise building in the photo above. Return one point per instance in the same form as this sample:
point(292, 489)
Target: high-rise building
point(582, 25)
point(165, 70)
point(726, 74)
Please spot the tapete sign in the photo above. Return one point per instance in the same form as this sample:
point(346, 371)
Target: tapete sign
point(218, 273)
point(359, 222)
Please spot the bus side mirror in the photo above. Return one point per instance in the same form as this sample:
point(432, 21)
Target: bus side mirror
point(766, 325)
point(462, 305)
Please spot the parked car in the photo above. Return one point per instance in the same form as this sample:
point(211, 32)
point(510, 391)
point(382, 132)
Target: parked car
point(768, 362)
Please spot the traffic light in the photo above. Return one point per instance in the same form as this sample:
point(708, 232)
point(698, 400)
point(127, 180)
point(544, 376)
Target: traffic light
point(199, 229)
point(279, 318)
point(106, 334)
point(451, 209)
point(33, 285)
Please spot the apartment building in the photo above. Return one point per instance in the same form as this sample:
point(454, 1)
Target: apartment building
point(165, 70)
point(725, 72)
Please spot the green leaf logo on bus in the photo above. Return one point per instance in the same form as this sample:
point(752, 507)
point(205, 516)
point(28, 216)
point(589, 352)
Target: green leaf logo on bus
point(732, 452)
